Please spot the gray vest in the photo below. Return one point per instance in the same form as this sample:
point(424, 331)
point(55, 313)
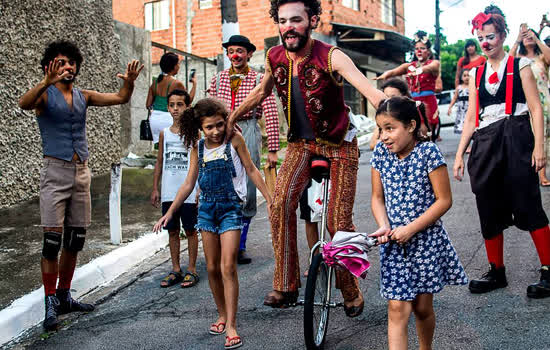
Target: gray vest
point(63, 130)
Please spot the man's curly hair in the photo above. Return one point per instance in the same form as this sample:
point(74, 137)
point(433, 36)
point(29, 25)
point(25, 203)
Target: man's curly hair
point(313, 7)
point(63, 47)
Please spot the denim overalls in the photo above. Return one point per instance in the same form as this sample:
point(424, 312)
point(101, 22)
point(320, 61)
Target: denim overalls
point(220, 208)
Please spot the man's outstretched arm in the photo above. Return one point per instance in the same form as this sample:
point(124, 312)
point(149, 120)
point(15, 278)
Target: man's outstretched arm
point(95, 98)
point(344, 66)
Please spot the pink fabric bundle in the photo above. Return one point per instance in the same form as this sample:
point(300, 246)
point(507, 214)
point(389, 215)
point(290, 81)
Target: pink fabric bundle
point(349, 250)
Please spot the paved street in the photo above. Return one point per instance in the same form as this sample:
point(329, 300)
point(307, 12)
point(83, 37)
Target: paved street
point(143, 316)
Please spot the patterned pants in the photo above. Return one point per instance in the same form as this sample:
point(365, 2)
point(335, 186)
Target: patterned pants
point(292, 179)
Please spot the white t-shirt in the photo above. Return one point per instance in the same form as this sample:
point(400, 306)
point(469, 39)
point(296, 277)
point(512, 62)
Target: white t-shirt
point(239, 182)
point(175, 167)
point(494, 113)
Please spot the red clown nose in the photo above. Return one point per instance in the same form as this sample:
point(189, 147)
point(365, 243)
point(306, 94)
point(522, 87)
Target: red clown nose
point(234, 57)
point(485, 46)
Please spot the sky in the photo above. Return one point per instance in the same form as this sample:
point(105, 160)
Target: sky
point(420, 15)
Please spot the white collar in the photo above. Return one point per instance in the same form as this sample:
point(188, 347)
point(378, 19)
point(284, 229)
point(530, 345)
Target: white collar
point(501, 69)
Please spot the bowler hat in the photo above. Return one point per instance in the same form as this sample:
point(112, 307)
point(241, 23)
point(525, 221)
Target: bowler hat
point(240, 40)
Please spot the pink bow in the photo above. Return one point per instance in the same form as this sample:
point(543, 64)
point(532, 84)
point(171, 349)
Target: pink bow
point(479, 20)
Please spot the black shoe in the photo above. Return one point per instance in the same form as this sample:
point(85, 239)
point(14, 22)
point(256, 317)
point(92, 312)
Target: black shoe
point(491, 280)
point(242, 258)
point(50, 315)
point(68, 304)
point(541, 289)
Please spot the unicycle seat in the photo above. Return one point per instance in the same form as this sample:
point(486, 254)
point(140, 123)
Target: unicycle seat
point(320, 168)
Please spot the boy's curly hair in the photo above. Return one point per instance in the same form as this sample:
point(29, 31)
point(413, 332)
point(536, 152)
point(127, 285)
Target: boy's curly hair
point(63, 47)
point(313, 7)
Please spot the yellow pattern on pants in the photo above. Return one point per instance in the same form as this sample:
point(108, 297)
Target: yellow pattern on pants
point(292, 180)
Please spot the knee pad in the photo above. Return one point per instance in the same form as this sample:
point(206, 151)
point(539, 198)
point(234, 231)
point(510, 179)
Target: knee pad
point(52, 244)
point(74, 238)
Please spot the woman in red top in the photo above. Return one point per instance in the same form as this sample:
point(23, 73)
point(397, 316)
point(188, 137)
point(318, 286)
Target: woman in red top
point(421, 76)
point(470, 59)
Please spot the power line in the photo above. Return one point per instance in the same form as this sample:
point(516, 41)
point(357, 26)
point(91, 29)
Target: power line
point(452, 5)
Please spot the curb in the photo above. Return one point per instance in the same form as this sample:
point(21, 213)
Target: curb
point(28, 311)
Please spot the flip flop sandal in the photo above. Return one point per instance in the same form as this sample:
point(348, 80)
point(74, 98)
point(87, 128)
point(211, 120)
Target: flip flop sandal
point(170, 281)
point(217, 331)
point(191, 278)
point(228, 341)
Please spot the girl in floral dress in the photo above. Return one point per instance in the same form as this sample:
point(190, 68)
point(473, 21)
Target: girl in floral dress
point(460, 99)
point(410, 193)
point(532, 47)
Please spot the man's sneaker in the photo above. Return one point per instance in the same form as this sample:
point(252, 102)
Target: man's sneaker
point(50, 315)
point(541, 289)
point(491, 280)
point(68, 304)
point(243, 258)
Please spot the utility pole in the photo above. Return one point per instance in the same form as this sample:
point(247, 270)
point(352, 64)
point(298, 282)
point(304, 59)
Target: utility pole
point(230, 24)
point(437, 44)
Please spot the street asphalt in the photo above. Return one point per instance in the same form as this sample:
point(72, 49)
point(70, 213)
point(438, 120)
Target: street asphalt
point(134, 313)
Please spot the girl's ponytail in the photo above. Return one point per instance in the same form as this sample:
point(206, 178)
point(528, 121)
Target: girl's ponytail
point(189, 127)
point(406, 110)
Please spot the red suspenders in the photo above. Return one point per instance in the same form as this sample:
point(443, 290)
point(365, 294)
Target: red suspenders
point(509, 86)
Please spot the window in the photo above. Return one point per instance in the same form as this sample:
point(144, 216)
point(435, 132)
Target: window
point(388, 11)
point(157, 15)
point(352, 4)
point(205, 4)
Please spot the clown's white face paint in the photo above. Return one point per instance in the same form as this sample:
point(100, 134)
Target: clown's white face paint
point(491, 42)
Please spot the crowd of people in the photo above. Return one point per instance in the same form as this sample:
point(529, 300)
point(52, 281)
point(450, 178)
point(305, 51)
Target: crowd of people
point(209, 153)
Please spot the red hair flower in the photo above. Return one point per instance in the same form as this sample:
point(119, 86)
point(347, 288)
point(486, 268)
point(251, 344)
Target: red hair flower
point(479, 20)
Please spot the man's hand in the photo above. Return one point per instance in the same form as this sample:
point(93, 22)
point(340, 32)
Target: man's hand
point(272, 159)
point(194, 80)
point(231, 127)
point(384, 76)
point(51, 77)
point(132, 71)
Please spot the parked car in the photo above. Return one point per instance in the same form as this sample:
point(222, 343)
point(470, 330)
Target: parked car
point(443, 102)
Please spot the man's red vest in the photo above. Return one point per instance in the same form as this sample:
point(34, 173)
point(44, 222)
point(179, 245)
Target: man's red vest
point(322, 93)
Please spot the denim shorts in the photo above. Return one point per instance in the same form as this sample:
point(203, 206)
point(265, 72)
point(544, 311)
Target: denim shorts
point(220, 216)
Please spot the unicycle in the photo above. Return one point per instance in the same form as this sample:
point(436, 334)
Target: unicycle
point(318, 293)
point(320, 280)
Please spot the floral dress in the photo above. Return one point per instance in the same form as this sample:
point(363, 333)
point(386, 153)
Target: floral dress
point(541, 76)
point(461, 107)
point(428, 261)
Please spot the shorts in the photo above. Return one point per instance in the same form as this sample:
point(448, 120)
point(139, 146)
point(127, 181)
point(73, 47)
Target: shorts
point(65, 194)
point(502, 178)
point(220, 216)
point(187, 214)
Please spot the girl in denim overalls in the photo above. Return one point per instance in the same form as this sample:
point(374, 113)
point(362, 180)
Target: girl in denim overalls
point(220, 169)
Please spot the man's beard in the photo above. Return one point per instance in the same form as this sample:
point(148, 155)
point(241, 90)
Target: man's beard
point(68, 81)
point(300, 44)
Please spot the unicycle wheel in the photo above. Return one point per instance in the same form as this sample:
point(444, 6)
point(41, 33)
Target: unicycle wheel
point(317, 303)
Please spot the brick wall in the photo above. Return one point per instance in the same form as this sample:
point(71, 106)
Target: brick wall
point(254, 22)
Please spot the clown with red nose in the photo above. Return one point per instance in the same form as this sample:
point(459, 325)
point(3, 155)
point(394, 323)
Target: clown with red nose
point(505, 122)
point(232, 86)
